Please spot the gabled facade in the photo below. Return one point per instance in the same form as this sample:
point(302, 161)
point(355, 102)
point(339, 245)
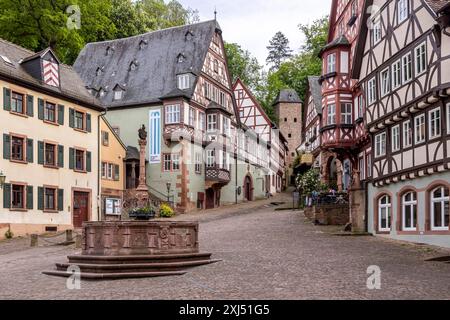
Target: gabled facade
point(49, 136)
point(403, 72)
point(253, 116)
point(180, 89)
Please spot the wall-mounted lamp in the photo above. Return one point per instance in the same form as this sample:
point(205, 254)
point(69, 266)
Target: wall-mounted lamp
point(2, 179)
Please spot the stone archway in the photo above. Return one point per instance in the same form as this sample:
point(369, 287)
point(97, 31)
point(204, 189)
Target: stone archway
point(332, 172)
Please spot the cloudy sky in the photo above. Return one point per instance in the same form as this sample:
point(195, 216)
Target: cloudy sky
point(253, 23)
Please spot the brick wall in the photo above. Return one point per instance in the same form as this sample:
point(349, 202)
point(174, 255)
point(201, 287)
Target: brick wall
point(333, 215)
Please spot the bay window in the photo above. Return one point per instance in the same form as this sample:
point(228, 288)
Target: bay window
point(173, 114)
point(440, 209)
point(210, 158)
point(212, 122)
point(331, 63)
point(346, 113)
point(331, 115)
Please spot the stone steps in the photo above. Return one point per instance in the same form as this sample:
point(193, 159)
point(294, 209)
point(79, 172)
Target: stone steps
point(115, 276)
point(78, 259)
point(133, 268)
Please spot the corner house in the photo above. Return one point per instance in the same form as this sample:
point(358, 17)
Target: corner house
point(49, 136)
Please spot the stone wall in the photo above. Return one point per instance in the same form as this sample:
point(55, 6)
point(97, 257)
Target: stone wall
point(333, 215)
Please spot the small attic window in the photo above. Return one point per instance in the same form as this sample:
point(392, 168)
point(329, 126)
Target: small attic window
point(143, 44)
point(102, 93)
point(7, 60)
point(189, 35)
point(134, 65)
point(118, 94)
point(109, 51)
point(184, 81)
point(181, 58)
point(99, 71)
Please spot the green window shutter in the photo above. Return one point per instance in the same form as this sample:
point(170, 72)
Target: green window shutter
point(71, 158)
point(6, 146)
point(40, 109)
point(88, 161)
point(41, 152)
point(30, 106)
point(7, 196)
point(116, 172)
point(60, 200)
point(30, 152)
point(61, 115)
point(30, 197)
point(61, 156)
point(40, 198)
point(7, 99)
point(88, 122)
point(71, 118)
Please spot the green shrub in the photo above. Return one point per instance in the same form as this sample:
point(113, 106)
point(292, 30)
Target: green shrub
point(9, 234)
point(165, 211)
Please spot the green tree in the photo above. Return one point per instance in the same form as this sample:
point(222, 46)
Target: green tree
point(279, 50)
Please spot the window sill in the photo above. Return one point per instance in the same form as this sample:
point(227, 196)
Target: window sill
point(408, 233)
point(23, 115)
point(50, 211)
point(80, 171)
point(18, 210)
point(383, 232)
point(19, 161)
point(436, 232)
point(51, 167)
point(51, 123)
point(80, 130)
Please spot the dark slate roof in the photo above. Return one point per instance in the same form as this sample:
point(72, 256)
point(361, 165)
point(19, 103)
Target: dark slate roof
point(316, 91)
point(437, 5)
point(287, 96)
point(339, 41)
point(132, 154)
point(72, 87)
point(158, 65)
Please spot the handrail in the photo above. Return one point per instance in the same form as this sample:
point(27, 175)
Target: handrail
point(159, 194)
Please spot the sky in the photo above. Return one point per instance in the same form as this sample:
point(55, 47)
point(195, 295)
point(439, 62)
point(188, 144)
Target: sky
point(253, 23)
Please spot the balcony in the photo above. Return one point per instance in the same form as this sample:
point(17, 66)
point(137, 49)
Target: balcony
point(217, 175)
point(179, 132)
point(340, 136)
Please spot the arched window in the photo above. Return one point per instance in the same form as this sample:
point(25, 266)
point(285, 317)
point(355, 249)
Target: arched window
point(440, 209)
point(409, 211)
point(384, 214)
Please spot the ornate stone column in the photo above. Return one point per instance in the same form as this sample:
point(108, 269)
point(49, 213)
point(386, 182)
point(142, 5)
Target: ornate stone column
point(142, 189)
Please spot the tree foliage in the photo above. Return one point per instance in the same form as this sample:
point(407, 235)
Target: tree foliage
point(279, 50)
point(38, 24)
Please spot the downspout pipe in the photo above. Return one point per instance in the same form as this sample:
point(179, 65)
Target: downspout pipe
point(99, 162)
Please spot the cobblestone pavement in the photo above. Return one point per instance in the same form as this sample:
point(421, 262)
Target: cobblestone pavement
point(266, 254)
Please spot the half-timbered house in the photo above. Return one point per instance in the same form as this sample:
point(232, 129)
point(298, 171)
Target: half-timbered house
point(50, 148)
point(403, 66)
point(176, 82)
point(253, 116)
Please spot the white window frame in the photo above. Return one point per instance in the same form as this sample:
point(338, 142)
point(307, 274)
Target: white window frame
point(371, 91)
point(331, 114)
point(448, 118)
point(210, 158)
point(412, 204)
point(419, 134)
point(395, 137)
point(407, 72)
point(192, 117)
point(387, 207)
point(118, 95)
point(212, 122)
point(407, 134)
point(173, 114)
point(113, 206)
point(397, 74)
point(202, 121)
point(176, 162)
point(421, 59)
point(331, 63)
point(110, 173)
point(442, 200)
point(377, 33)
point(346, 113)
point(434, 123)
point(385, 80)
point(380, 145)
point(184, 81)
point(198, 162)
point(402, 10)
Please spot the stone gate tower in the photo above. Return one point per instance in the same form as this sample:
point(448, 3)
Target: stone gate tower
point(288, 110)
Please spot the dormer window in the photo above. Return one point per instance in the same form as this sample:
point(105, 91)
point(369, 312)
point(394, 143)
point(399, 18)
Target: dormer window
point(184, 81)
point(51, 72)
point(143, 44)
point(181, 58)
point(99, 71)
point(118, 93)
point(189, 35)
point(102, 93)
point(134, 65)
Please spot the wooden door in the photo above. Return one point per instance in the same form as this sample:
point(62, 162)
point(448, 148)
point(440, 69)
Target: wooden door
point(210, 198)
point(80, 208)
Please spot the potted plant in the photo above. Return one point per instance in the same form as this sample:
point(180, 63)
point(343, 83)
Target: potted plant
point(143, 214)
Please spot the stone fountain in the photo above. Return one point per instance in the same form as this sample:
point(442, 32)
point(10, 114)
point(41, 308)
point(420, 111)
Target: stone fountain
point(133, 249)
